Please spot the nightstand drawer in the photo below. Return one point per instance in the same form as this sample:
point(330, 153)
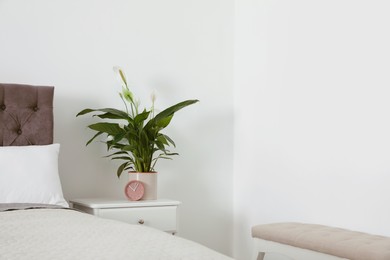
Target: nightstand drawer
point(163, 218)
point(160, 214)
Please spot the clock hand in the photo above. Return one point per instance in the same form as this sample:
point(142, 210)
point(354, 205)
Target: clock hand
point(135, 187)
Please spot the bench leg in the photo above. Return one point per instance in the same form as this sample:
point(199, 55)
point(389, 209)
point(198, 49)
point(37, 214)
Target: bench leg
point(260, 256)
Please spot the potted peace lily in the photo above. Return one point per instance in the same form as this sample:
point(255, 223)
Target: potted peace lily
point(134, 135)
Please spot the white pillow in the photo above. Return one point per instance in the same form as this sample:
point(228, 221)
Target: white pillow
point(29, 174)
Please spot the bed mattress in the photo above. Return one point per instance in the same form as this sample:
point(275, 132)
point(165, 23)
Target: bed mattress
point(43, 233)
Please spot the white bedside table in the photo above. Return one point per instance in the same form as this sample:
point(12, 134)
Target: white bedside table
point(160, 214)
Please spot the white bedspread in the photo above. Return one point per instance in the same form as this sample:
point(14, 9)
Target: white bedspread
point(66, 234)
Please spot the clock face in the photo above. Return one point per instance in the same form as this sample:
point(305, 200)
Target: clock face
point(134, 190)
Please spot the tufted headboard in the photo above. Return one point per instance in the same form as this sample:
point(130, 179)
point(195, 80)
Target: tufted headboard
point(26, 115)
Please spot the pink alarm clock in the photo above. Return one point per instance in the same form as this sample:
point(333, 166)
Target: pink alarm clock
point(134, 190)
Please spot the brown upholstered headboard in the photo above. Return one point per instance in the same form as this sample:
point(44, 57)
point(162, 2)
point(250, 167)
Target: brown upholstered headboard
point(26, 115)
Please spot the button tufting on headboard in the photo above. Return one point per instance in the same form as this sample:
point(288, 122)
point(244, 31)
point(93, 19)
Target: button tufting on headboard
point(26, 114)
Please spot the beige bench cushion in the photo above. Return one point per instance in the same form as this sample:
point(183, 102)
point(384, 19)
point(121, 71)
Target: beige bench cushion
point(328, 240)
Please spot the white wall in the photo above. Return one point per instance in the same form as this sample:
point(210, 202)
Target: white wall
point(310, 93)
point(183, 49)
point(312, 115)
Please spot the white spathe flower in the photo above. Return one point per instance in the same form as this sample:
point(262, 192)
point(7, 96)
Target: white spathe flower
point(153, 96)
point(109, 138)
point(126, 93)
point(120, 76)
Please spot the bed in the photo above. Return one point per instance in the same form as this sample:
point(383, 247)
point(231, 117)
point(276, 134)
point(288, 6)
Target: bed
point(35, 219)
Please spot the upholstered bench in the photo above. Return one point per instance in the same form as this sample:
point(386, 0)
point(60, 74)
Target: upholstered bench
point(316, 242)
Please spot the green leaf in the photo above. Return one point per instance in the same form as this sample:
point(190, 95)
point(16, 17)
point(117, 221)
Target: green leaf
point(115, 145)
point(110, 116)
point(161, 138)
point(109, 128)
point(129, 148)
point(160, 146)
point(121, 168)
point(173, 109)
point(116, 153)
point(129, 167)
point(85, 111)
point(164, 122)
point(164, 157)
point(118, 137)
point(96, 135)
point(171, 154)
point(168, 112)
point(169, 140)
point(141, 117)
point(122, 158)
point(119, 113)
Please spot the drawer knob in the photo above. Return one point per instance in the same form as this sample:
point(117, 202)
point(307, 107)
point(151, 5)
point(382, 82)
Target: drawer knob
point(141, 221)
